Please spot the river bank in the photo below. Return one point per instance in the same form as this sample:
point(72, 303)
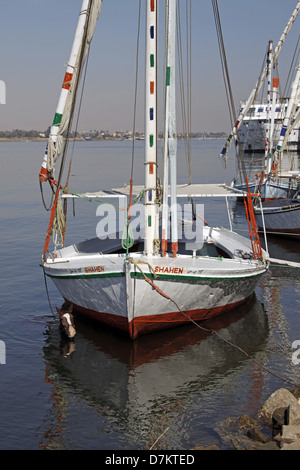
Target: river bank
point(276, 426)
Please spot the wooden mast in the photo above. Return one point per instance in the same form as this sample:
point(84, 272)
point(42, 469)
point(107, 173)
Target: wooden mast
point(170, 139)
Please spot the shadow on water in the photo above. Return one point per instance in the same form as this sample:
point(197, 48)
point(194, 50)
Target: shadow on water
point(146, 384)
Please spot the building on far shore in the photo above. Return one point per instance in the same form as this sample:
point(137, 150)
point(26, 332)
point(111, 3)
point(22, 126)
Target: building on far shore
point(18, 134)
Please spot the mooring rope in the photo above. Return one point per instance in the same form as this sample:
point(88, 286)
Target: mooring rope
point(47, 291)
point(208, 330)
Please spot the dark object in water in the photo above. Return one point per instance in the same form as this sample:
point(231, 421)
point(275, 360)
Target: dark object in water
point(67, 324)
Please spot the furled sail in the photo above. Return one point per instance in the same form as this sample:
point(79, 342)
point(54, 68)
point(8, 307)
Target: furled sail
point(291, 117)
point(88, 17)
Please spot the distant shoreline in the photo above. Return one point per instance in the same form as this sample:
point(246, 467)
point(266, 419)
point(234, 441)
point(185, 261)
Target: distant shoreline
point(81, 139)
point(22, 139)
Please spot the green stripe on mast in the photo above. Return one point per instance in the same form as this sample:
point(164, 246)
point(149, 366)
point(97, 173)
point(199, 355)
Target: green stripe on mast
point(168, 76)
point(57, 119)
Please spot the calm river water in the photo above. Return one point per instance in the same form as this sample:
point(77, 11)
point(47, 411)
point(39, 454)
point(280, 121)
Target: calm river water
point(103, 391)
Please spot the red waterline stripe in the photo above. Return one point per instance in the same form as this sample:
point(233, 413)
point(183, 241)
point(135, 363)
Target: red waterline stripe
point(150, 323)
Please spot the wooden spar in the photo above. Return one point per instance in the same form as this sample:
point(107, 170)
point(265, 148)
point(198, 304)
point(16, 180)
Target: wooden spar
point(275, 96)
point(75, 51)
point(151, 216)
point(268, 136)
point(170, 141)
point(284, 262)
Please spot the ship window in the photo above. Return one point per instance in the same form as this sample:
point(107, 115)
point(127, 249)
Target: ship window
point(260, 110)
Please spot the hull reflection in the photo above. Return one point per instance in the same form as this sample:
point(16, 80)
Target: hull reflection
point(157, 374)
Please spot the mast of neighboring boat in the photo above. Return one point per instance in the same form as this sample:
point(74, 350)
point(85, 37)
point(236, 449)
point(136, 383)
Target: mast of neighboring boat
point(151, 215)
point(275, 102)
point(289, 116)
point(170, 140)
point(270, 110)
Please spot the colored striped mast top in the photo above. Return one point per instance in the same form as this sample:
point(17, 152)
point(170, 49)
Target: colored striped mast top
point(151, 213)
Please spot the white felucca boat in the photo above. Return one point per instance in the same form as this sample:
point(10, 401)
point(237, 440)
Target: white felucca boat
point(147, 288)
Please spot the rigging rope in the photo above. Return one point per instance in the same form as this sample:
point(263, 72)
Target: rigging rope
point(185, 102)
point(228, 89)
point(78, 115)
point(127, 237)
point(80, 63)
point(43, 199)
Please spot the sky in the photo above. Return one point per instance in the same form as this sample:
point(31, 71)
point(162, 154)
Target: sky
point(36, 38)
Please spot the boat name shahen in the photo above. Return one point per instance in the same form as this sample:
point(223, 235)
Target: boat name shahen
point(94, 269)
point(168, 270)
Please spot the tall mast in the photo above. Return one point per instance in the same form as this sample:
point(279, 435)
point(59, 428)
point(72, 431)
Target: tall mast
point(88, 16)
point(268, 149)
point(151, 216)
point(170, 148)
point(275, 102)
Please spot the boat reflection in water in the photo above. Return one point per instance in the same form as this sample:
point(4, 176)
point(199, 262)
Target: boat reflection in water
point(143, 385)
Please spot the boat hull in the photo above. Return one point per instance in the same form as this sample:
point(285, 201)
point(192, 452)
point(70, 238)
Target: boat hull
point(146, 294)
point(151, 314)
point(278, 188)
point(281, 217)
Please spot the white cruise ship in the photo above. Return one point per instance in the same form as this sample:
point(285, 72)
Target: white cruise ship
point(253, 129)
